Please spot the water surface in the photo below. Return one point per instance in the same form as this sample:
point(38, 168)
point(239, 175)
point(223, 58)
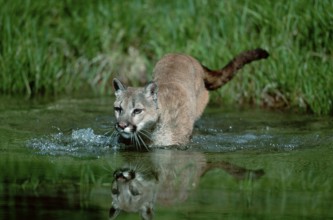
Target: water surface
point(57, 160)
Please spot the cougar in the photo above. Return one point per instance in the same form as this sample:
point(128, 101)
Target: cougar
point(163, 112)
point(167, 178)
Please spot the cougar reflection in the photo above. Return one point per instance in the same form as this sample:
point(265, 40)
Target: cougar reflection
point(167, 178)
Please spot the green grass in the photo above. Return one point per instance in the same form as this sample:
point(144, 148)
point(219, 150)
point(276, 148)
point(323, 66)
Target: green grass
point(56, 47)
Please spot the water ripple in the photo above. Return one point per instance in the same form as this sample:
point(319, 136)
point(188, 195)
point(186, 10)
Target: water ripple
point(80, 143)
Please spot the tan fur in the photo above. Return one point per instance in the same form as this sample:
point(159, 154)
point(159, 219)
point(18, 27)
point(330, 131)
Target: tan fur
point(168, 107)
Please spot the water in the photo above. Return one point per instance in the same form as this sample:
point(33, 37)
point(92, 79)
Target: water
point(57, 160)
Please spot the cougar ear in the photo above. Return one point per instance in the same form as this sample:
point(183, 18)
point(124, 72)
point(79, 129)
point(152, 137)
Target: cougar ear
point(147, 212)
point(151, 90)
point(113, 213)
point(118, 87)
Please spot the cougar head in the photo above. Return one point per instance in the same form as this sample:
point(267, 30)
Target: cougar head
point(133, 191)
point(135, 109)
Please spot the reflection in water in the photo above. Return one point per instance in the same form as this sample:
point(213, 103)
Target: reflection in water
point(167, 179)
point(64, 173)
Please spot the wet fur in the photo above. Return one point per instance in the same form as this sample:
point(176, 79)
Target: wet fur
point(163, 112)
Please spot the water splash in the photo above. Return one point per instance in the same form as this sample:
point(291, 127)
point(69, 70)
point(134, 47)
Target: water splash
point(85, 143)
point(79, 143)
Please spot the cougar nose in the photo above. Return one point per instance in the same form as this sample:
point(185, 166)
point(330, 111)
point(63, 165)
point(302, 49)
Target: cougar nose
point(122, 125)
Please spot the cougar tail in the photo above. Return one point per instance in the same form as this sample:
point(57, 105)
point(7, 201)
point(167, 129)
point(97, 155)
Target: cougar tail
point(214, 79)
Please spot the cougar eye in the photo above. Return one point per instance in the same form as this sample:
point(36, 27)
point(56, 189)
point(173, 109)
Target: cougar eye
point(137, 111)
point(118, 109)
point(115, 191)
point(134, 191)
